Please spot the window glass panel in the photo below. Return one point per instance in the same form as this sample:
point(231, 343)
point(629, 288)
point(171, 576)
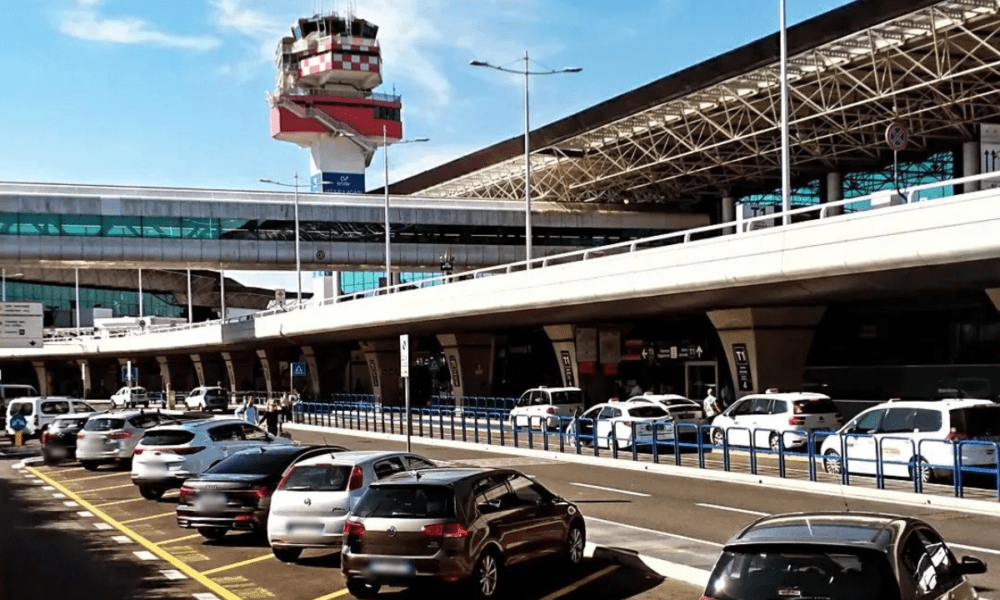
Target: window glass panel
point(81, 225)
point(870, 421)
point(8, 223)
point(897, 420)
point(127, 227)
point(200, 229)
point(161, 227)
point(32, 224)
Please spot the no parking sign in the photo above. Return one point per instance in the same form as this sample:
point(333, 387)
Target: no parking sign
point(897, 136)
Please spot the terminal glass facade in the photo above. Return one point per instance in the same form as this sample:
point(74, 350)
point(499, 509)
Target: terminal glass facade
point(352, 282)
point(123, 303)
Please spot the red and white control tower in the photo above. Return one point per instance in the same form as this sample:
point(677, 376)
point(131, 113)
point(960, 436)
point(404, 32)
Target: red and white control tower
point(324, 101)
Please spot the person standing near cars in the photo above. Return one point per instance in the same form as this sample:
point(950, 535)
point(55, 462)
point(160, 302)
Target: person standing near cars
point(711, 405)
point(248, 411)
point(286, 407)
point(272, 411)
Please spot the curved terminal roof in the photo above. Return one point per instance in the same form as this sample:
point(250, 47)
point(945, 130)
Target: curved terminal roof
point(714, 129)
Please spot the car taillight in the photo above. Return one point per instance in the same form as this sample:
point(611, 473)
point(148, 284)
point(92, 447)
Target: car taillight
point(137, 450)
point(353, 528)
point(186, 491)
point(707, 598)
point(44, 438)
point(796, 420)
point(356, 480)
point(79, 436)
point(954, 435)
point(119, 435)
point(445, 530)
point(551, 410)
point(184, 450)
point(261, 492)
point(284, 478)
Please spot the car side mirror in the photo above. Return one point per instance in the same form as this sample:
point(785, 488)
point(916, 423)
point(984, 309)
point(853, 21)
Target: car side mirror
point(972, 566)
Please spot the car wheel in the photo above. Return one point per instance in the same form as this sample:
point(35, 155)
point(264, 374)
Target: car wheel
point(361, 589)
point(718, 437)
point(923, 469)
point(486, 577)
point(151, 493)
point(202, 407)
point(576, 540)
point(774, 442)
point(212, 533)
point(287, 555)
point(89, 465)
point(831, 462)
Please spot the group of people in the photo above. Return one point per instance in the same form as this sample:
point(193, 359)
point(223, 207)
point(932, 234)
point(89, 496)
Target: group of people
point(275, 412)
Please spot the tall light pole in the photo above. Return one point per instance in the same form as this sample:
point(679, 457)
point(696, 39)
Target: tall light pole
point(385, 164)
point(298, 260)
point(786, 174)
point(527, 137)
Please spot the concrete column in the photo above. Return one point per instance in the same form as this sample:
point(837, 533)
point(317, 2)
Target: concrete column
point(382, 357)
point(767, 347)
point(834, 192)
point(312, 370)
point(239, 371)
point(470, 362)
point(85, 381)
point(563, 338)
point(729, 212)
point(44, 375)
point(972, 163)
point(327, 287)
point(269, 365)
point(199, 368)
point(994, 294)
point(174, 373)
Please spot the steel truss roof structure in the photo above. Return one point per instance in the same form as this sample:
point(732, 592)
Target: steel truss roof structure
point(714, 130)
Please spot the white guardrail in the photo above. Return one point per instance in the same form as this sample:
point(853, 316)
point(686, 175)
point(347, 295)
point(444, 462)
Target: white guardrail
point(742, 226)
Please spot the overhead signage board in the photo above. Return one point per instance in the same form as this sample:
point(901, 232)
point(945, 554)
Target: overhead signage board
point(21, 325)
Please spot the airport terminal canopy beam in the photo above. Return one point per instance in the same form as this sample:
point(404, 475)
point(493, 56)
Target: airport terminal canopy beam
point(714, 129)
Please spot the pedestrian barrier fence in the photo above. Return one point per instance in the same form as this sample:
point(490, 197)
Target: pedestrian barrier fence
point(683, 441)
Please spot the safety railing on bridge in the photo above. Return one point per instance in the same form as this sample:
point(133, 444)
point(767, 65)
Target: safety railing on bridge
point(970, 466)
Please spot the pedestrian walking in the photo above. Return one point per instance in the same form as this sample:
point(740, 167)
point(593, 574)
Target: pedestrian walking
point(272, 412)
point(286, 407)
point(711, 405)
point(248, 410)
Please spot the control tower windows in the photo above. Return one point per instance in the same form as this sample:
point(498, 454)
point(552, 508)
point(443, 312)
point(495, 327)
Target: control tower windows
point(388, 114)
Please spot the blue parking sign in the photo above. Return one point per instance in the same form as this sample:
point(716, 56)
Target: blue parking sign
point(298, 369)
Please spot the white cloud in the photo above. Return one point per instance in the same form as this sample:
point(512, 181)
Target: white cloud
point(84, 22)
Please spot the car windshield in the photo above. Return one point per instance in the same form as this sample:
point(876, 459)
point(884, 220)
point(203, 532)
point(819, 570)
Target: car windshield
point(254, 462)
point(104, 424)
point(977, 422)
point(319, 478)
point(167, 437)
point(648, 412)
point(814, 406)
point(567, 397)
point(410, 501)
point(802, 572)
point(83, 407)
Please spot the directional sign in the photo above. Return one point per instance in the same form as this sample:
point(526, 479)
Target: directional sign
point(897, 136)
point(18, 422)
point(20, 325)
point(404, 355)
point(741, 358)
point(125, 374)
point(298, 369)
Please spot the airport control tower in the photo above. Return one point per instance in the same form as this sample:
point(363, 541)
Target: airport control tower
point(323, 101)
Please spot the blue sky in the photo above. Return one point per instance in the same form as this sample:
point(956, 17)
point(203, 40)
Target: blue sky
point(144, 92)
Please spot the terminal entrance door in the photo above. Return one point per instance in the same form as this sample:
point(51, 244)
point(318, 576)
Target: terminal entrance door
point(698, 376)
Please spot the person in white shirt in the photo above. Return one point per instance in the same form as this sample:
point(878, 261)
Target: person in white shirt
point(711, 405)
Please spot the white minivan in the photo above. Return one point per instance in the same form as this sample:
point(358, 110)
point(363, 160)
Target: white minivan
point(775, 419)
point(544, 406)
point(39, 412)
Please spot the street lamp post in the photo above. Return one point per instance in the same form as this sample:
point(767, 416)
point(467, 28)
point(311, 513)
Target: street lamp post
point(298, 259)
point(385, 164)
point(527, 138)
point(786, 176)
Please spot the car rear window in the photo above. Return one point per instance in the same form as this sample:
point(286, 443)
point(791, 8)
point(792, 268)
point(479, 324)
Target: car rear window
point(104, 424)
point(977, 422)
point(167, 437)
point(647, 412)
point(254, 463)
point(318, 478)
point(410, 501)
point(22, 408)
point(814, 406)
point(64, 423)
point(567, 397)
point(18, 392)
point(60, 407)
point(809, 571)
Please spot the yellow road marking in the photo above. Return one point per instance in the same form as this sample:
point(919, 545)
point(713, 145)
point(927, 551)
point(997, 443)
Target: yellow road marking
point(57, 469)
point(104, 489)
point(579, 584)
point(218, 590)
point(238, 565)
point(93, 477)
point(120, 502)
point(180, 539)
point(147, 518)
point(333, 595)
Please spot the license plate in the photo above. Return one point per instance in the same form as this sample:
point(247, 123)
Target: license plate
point(391, 568)
point(209, 502)
point(306, 527)
point(57, 451)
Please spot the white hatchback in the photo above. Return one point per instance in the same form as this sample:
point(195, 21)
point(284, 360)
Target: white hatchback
point(916, 437)
point(112, 437)
point(310, 505)
point(775, 418)
point(130, 397)
point(168, 455)
point(683, 410)
point(623, 424)
point(546, 407)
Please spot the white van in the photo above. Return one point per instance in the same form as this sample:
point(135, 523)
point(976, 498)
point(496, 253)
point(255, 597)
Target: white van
point(9, 391)
point(544, 406)
point(39, 412)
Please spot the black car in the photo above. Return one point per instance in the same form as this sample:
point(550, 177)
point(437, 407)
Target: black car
point(59, 438)
point(236, 492)
point(840, 556)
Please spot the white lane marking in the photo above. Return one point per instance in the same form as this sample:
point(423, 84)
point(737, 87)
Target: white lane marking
point(607, 489)
point(70, 503)
point(30, 476)
point(103, 526)
point(122, 539)
point(18, 465)
point(731, 509)
point(579, 584)
point(145, 555)
point(173, 574)
point(973, 548)
point(48, 488)
point(86, 514)
point(676, 571)
point(205, 596)
point(673, 535)
point(58, 495)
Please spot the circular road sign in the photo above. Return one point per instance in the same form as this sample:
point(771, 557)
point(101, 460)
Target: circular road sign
point(18, 422)
point(897, 136)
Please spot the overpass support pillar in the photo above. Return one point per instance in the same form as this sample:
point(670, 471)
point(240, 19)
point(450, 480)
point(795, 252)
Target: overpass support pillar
point(994, 294)
point(767, 347)
point(199, 369)
point(87, 389)
point(563, 338)
point(834, 192)
point(44, 375)
point(173, 374)
point(312, 370)
point(971, 165)
point(269, 367)
point(382, 357)
point(470, 362)
point(239, 371)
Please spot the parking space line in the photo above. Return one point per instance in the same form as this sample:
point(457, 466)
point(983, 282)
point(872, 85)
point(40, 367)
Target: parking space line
point(159, 516)
point(104, 489)
point(93, 477)
point(579, 584)
point(180, 539)
point(333, 595)
point(119, 502)
point(607, 489)
point(731, 509)
point(217, 589)
point(238, 565)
